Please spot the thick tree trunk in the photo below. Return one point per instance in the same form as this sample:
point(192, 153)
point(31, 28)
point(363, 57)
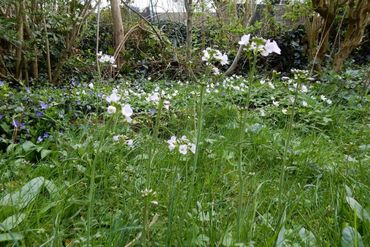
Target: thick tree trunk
point(118, 31)
point(358, 19)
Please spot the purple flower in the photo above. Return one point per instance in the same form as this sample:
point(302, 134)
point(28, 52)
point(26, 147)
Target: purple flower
point(46, 135)
point(39, 114)
point(43, 105)
point(17, 124)
point(1, 116)
point(39, 139)
point(152, 112)
point(1, 83)
point(28, 90)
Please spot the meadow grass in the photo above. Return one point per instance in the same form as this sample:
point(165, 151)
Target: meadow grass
point(254, 180)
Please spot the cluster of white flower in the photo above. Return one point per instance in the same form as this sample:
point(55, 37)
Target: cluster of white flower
point(213, 55)
point(157, 94)
point(328, 101)
point(257, 44)
point(126, 109)
point(148, 192)
point(104, 58)
point(269, 83)
point(114, 97)
point(129, 142)
point(183, 143)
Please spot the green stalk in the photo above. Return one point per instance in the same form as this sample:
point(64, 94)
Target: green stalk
point(240, 173)
point(199, 131)
point(198, 137)
point(145, 235)
point(241, 137)
point(154, 140)
point(92, 187)
point(287, 143)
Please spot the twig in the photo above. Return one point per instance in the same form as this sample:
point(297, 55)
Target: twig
point(144, 19)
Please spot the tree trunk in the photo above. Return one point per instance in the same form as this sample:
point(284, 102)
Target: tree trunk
point(19, 49)
point(189, 28)
point(118, 32)
point(358, 19)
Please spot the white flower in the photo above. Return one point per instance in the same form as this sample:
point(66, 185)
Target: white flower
point(275, 103)
point(155, 203)
point(166, 104)
point(127, 112)
point(173, 139)
point(104, 58)
point(270, 47)
point(244, 39)
point(216, 71)
point(114, 97)
point(206, 56)
point(91, 86)
point(116, 138)
point(130, 143)
point(171, 146)
point(154, 97)
point(183, 149)
point(271, 85)
point(172, 143)
point(192, 147)
point(304, 104)
point(222, 58)
point(329, 101)
point(111, 109)
point(304, 89)
point(184, 138)
point(322, 97)
point(285, 111)
point(146, 192)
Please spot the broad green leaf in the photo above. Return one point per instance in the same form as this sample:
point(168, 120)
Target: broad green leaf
point(28, 146)
point(351, 238)
point(44, 153)
point(11, 147)
point(307, 237)
point(6, 128)
point(11, 236)
point(25, 195)
point(228, 239)
point(12, 221)
point(281, 238)
point(51, 187)
point(360, 211)
point(348, 190)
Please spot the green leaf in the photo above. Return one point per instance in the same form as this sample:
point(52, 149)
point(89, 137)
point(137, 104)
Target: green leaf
point(12, 221)
point(11, 147)
point(281, 238)
point(11, 236)
point(51, 187)
point(228, 239)
point(351, 237)
point(307, 237)
point(28, 146)
point(20, 199)
point(360, 211)
point(44, 153)
point(6, 128)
